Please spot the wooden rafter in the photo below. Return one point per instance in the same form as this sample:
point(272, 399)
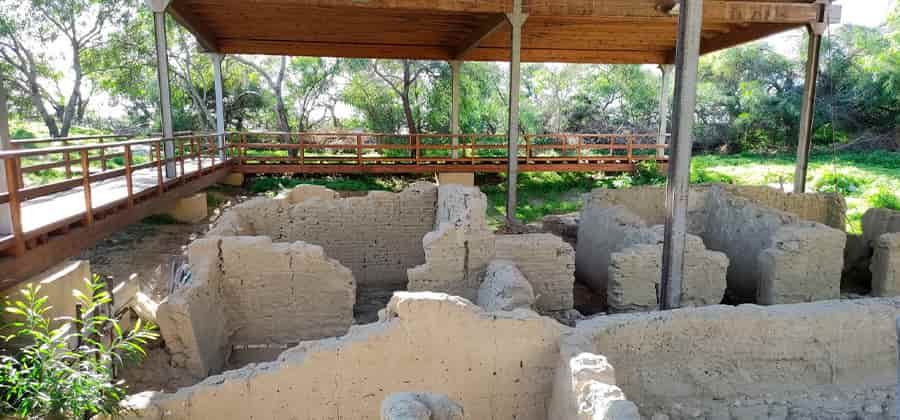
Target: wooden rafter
point(486, 29)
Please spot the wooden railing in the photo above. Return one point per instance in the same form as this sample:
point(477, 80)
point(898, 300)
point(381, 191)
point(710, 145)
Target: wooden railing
point(201, 152)
point(87, 165)
point(299, 152)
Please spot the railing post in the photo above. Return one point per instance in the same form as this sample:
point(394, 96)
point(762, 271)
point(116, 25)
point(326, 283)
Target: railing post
point(302, 149)
point(198, 154)
point(180, 155)
point(67, 157)
point(630, 148)
point(86, 185)
point(161, 187)
point(579, 145)
point(359, 154)
point(472, 151)
point(102, 155)
point(129, 182)
point(15, 205)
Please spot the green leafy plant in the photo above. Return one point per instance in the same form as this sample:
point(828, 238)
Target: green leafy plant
point(831, 182)
point(884, 198)
point(648, 173)
point(64, 368)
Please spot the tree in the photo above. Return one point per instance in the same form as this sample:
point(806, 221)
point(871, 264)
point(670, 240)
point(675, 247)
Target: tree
point(310, 88)
point(405, 77)
point(24, 33)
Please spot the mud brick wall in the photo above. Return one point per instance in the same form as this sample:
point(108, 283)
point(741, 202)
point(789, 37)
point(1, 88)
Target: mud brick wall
point(378, 236)
point(497, 365)
point(547, 262)
point(835, 359)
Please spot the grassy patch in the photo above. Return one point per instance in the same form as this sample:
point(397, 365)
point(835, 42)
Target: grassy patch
point(865, 179)
point(265, 184)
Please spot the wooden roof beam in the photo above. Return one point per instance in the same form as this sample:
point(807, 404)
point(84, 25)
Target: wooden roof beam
point(483, 31)
point(185, 18)
point(713, 11)
point(733, 39)
point(453, 6)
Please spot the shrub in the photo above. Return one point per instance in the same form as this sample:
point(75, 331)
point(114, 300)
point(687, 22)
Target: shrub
point(46, 378)
point(706, 176)
point(843, 184)
point(647, 173)
point(883, 198)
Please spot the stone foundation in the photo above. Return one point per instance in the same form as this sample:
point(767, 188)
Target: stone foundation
point(547, 262)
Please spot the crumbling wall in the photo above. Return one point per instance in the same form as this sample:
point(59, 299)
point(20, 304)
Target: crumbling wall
point(742, 230)
point(283, 292)
point(602, 231)
point(192, 319)
point(504, 288)
point(821, 360)
point(825, 208)
point(885, 266)
point(57, 284)
point(877, 222)
point(378, 236)
point(803, 264)
point(635, 272)
point(249, 291)
point(460, 247)
point(547, 262)
point(563, 225)
point(649, 203)
point(495, 365)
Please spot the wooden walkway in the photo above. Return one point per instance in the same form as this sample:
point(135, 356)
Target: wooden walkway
point(106, 186)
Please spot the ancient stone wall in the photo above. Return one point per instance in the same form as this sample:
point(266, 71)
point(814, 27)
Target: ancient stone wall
point(885, 266)
point(602, 231)
point(877, 222)
point(283, 292)
point(378, 236)
point(820, 360)
point(247, 291)
point(774, 250)
point(496, 365)
point(460, 247)
point(650, 203)
point(635, 272)
point(803, 264)
point(547, 262)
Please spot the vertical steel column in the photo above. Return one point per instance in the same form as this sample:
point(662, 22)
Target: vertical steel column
point(220, 105)
point(808, 109)
point(687, 55)
point(5, 144)
point(165, 101)
point(516, 20)
point(664, 98)
point(455, 67)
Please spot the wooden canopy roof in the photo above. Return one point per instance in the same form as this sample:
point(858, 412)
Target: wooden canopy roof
point(573, 31)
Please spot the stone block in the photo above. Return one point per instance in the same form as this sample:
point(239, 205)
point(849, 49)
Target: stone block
point(234, 179)
point(803, 264)
point(877, 222)
point(465, 179)
point(57, 284)
point(504, 288)
point(547, 262)
point(885, 266)
point(635, 273)
point(420, 406)
point(191, 209)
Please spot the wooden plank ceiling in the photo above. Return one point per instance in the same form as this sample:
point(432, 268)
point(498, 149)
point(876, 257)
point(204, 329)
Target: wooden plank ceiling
point(569, 31)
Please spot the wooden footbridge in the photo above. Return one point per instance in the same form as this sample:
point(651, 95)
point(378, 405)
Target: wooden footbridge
point(64, 195)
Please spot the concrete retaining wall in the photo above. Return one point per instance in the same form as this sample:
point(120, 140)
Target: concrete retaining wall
point(378, 236)
point(496, 366)
point(821, 360)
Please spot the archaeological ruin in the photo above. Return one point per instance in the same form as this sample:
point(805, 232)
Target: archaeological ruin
point(284, 311)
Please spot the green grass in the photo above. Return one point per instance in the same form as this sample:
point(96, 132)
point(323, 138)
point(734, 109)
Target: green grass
point(269, 184)
point(539, 194)
point(865, 179)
